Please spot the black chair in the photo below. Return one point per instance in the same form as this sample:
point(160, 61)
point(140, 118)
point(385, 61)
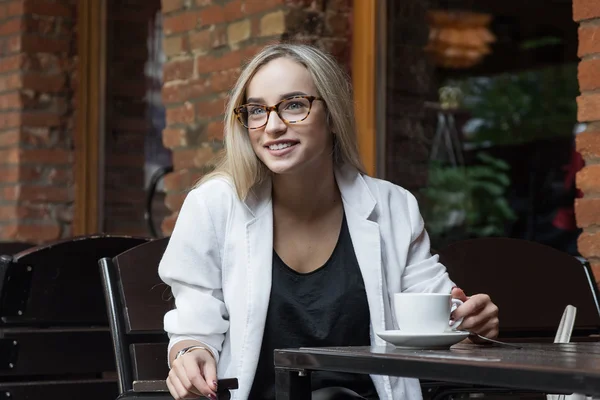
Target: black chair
point(137, 300)
point(532, 284)
point(54, 334)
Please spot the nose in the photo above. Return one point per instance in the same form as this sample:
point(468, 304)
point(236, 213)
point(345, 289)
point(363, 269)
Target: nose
point(275, 126)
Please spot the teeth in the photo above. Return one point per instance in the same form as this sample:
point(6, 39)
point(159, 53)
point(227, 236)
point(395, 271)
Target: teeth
point(279, 146)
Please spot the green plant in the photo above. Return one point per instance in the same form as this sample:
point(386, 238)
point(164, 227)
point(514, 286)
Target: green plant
point(469, 201)
point(522, 107)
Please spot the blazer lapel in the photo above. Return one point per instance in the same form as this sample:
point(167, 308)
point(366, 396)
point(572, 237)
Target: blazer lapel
point(259, 249)
point(359, 206)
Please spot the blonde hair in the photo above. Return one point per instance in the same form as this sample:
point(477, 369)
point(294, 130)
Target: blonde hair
point(240, 164)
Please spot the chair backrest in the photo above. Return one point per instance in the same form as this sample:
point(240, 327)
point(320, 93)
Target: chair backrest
point(58, 283)
point(531, 284)
point(136, 301)
point(144, 297)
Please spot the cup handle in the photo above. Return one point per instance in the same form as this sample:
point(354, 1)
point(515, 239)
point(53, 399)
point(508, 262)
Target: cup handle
point(455, 304)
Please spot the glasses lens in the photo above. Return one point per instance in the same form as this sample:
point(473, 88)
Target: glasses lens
point(295, 109)
point(253, 116)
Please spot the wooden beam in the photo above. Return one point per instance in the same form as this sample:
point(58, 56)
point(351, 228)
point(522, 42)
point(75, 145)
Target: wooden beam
point(363, 79)
point(91, 27)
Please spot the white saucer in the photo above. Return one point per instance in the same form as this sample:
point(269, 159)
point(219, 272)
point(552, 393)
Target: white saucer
point(423, 340)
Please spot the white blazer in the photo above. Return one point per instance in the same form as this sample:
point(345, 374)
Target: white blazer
point(219, 261)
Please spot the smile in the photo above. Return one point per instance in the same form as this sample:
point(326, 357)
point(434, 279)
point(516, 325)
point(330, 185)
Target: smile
point(280, 146)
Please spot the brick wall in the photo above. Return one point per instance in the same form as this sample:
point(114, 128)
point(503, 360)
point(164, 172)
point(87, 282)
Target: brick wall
point(206, 42)
point(587, 209)
point(37, 47)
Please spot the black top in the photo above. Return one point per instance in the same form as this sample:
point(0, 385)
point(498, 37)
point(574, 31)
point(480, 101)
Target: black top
point(326, 307)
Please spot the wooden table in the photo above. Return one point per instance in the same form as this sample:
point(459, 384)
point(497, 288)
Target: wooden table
point(550, 368)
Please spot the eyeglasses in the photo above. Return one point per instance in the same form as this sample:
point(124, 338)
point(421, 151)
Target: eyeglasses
point(291, 110)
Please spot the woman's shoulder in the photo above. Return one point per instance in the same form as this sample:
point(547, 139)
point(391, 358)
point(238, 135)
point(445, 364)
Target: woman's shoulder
point(383, 189)
point(216, 193)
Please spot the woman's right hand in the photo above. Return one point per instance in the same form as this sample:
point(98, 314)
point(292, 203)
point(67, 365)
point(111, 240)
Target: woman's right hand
point(192, 375)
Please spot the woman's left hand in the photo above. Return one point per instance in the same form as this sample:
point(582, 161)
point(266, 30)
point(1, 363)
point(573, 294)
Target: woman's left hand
point(479, 312)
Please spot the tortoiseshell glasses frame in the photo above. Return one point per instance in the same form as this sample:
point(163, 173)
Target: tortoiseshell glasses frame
point(242, 112)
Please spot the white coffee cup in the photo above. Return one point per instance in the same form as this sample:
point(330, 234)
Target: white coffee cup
point(425, 312)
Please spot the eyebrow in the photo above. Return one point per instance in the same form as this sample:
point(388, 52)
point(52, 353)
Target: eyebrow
point(260, 100)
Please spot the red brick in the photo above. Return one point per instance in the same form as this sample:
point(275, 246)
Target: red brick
point(235, 9)
point(50, 9)
point(588, 179)
point(11, 63)
point(212, 15)
point(10, 193)
point(183, 158)
point(10, 82)
point(218, 36)
point(585, 9)
point(587, 212)
point(171, 5)
point(215, 130)
point(9, 120)
point(178, 180)
point(174, 201)
point(205, 157)
point(35, 43)
point(200, 41)
point(588, 144)
point(255, 7)
point(210, 109)
point(10, 138)
point(46, 156)
point(588, 107)
point(60, 176)
point(588, 244)
point(183, 114)
point(49, 194)
point(589, 75)
point(180, 23)
point(43, 62)
point(43, 82)
point(180, 92)
point(223, 81)
point(11, 44)
point(15, 8)
point(178, 70)
point(11, 101)
point(168, 224)
point(229, 60)
point(42, 119)
point(15, 212)
point(588, 40)
point(37, 233)
point(11, 26)
point(19, 173)
point(9, 173)
point(173, 138)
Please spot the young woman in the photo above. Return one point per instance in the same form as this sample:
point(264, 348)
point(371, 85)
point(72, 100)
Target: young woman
point(289, 243)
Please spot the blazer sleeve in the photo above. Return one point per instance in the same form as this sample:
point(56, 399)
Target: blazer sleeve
point(423, 272)
point(191, 266)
